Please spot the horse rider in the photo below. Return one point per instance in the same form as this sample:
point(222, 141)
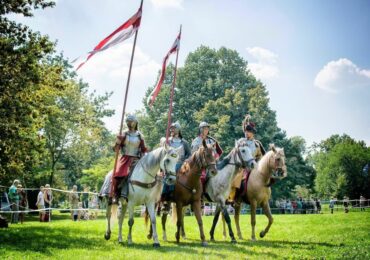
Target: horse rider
point(255, 147)
point(177, 141)
point(132, 147)
point(203, 132)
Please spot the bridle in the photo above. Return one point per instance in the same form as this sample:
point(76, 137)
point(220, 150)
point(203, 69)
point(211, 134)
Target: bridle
point(238, 154)
point(201, 161)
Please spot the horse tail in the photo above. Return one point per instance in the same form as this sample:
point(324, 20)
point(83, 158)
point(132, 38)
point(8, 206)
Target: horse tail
point(174, 213)
point(114, 210)
point(146, 217)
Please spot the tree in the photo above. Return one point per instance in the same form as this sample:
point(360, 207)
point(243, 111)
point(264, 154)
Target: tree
point(339, 164)
point(21, 74)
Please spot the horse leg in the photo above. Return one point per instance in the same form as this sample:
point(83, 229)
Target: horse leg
point(179, 221)
point(223, 227)
point(108, 215)
point(253, 219)
point(198, 215)
point(215, 220)
point(164, 220)
point(151, 211)
point(121, 215)
point(228, 221)
point(237, 208)
point(267, 211)
point(130, 222)
point(183, 235)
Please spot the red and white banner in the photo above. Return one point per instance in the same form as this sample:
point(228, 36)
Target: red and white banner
point(155, 92)
point(122, 33)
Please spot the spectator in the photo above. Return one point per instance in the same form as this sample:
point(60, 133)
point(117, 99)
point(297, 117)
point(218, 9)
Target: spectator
point(14, 201)
point(283, 206)
point(277, 204)
point(74, 199)
point(22, 202)
point(346, 204)
point(318, 205)
point(362, 203)
point(294, 206)
point(85, 198)
point(299, 206)
point(48, 198)
point(289, 207)
point(40, 203)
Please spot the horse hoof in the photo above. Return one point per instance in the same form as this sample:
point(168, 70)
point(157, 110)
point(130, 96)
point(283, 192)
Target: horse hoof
point(184, 237)
point(233, 241)
point(204, 244)
point(212, 239)
point(253, 239)
point(107, 236)
point(156, 245)
point(262, 234)
point(149, 236)
point(240, 237)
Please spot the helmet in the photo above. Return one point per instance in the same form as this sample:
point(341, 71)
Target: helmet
point(131, 118)
point(203, 124)
point(176, 125)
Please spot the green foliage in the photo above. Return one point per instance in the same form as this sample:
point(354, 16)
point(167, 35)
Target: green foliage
point(51, 127)
point(339, 162)
point(21, 75)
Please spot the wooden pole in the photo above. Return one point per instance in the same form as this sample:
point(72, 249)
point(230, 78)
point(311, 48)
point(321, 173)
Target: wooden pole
point(172, 91)
point(124, 106)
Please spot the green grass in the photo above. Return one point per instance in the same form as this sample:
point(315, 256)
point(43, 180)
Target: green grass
point(291, 236)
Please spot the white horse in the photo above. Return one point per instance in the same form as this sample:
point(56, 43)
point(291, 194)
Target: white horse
point(218, 187)
point(145, 187)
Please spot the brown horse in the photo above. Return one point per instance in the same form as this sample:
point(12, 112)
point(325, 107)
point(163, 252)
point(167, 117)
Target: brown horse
point(271, 166)
point(188, 189)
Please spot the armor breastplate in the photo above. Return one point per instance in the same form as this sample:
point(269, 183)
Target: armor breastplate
point(252, 147)
point(177, 143)
point(198, 142)
point(131, 145)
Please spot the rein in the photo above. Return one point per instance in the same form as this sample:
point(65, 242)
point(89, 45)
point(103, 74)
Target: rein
point(142, 184)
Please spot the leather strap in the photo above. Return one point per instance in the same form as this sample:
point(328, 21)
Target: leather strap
point(144, 185)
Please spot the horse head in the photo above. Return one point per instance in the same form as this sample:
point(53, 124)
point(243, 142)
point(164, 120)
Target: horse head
point(206, 158)
point(244, 155)
point(168, 164)
point(278, 162)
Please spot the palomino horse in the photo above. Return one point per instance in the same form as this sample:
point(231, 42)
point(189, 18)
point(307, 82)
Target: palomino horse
point(144, 188)
point(218, 187)
point(188, 189)
point(271, 166)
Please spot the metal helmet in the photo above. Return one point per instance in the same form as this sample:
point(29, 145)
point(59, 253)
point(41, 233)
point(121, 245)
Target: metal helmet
point(176, 125)
point(203, 124)
point(131, 118)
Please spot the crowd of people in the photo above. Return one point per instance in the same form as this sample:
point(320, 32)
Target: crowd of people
point(18, 201)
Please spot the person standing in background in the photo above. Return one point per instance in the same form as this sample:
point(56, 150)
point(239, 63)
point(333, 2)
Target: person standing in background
point(48, 198)
point(23, 203)
point(73, 199)
point(40, 203)
point(14, 201)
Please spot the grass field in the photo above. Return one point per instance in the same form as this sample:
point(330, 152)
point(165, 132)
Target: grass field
point(337, 236)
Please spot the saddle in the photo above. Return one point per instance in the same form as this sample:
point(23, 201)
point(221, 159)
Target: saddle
point(242, 191)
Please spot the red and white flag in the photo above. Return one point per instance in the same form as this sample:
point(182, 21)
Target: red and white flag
point(175, 47)
point(122, 33)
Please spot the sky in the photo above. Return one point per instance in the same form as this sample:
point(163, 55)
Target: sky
point(313, 56)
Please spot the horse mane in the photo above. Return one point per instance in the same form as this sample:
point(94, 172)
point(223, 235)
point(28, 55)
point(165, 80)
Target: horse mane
point(222, 163)
point(153, 157)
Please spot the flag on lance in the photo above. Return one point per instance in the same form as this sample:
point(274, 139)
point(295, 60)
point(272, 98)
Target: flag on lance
point(175, 47)
point(122, 33)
